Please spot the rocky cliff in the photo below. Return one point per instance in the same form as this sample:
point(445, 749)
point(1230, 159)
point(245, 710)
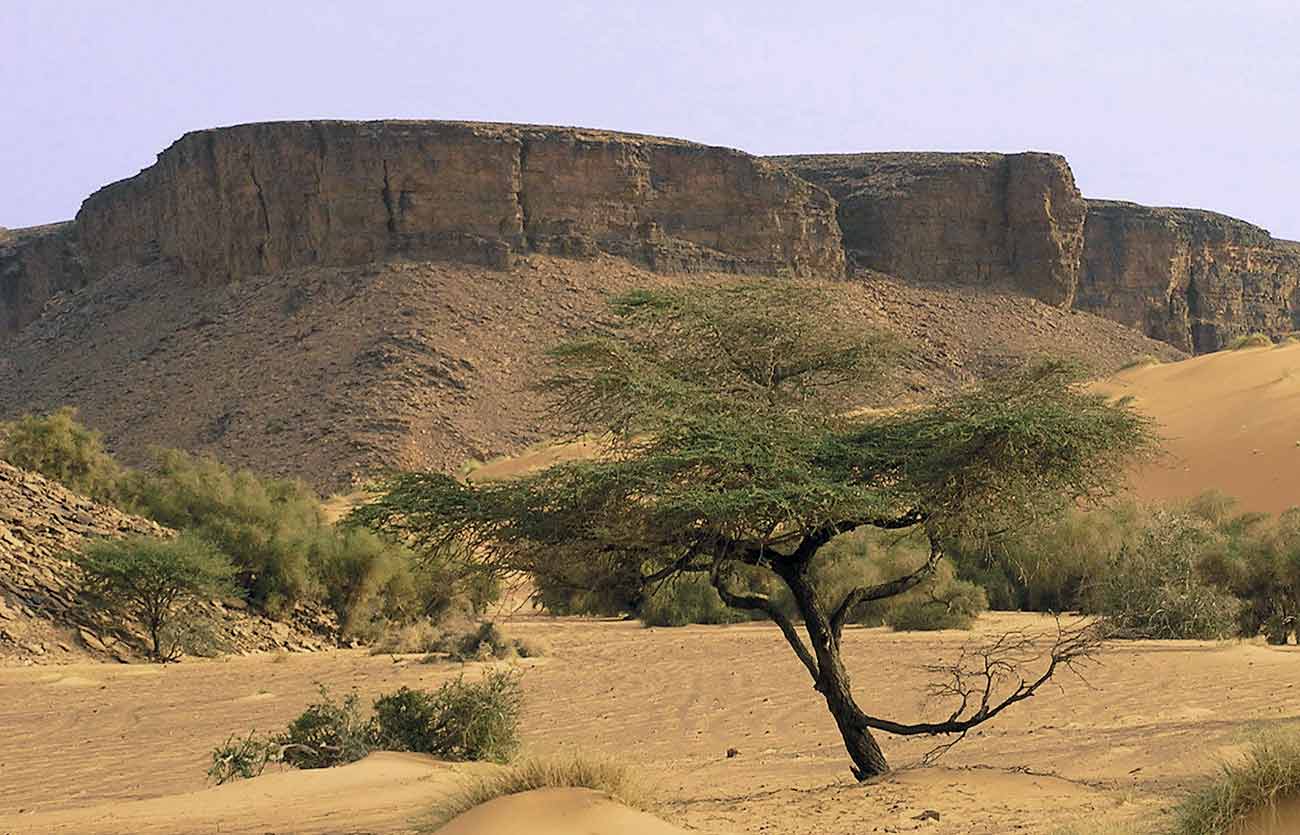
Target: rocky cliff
point(228, 203)
point(998, 220)
point(35, 265)
point(1191, 278)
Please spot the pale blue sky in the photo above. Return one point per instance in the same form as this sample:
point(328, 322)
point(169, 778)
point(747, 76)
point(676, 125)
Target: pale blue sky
point(1188, 103)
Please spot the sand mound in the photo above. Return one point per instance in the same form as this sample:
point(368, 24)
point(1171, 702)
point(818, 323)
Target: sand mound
point(1231, 422)
point(557, 812)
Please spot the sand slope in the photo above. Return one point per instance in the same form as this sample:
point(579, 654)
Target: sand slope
point(557, 812)
point(1231, 421)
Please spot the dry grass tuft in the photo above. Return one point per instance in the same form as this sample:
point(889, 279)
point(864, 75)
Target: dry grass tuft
point(1269, 774)
point(1253, 340)
point(598, 774)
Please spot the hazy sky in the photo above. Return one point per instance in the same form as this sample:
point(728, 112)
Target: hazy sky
point(1185, 103)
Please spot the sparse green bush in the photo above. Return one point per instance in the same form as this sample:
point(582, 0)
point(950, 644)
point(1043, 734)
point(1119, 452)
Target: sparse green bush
point(1263, 570)
point(946, 603)
point(1156, 589)
point(1269, 774)
point(461, 720)
point(1141, 361)
point(1251, 340)
point(61, 449)
point(478, 643)
point(600, 775)
point(242, 759)
point(687, 599)
point(327, 733)
point(150, 581)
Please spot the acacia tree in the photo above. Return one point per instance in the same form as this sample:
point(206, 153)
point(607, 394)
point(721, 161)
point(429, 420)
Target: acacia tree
point(732, 447)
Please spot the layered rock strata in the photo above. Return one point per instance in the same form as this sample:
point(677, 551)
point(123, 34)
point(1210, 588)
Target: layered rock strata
point(994, 220)
point(1191, 278)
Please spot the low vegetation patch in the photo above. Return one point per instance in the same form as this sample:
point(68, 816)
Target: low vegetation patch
point(1142, 361)
point(600, 775)
point(461, 720)
point(1250, 340)
point(1269, 774)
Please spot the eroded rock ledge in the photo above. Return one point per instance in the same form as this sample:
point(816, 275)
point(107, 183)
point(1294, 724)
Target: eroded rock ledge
point(264, 197)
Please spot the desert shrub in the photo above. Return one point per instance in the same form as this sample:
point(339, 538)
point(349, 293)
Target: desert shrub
point(419, 636)
point(150, 581)
point(600, 775)
point(481, 642)
point(946, 603)
point(1269, 774)
point(686, 599)
point(61, 449)
point(1156, 589)
point(1141, 361)
point(461, 720)
point(1251, 340)
point(242, 758)
point(327, 733)
point(1263, 570)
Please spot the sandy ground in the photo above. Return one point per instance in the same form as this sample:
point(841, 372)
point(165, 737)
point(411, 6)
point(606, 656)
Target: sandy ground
point(123, 749)
point(1231, 421)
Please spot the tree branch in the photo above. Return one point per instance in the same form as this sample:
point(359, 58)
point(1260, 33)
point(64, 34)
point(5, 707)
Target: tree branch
point(976, 677)
point(763, 603)
point(865, 594)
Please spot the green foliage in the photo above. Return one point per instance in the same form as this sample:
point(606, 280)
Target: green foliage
point(686, 599)
point(242, 758)
point(150, 580)
point(1156, 589)
point(1251, 340)
point(940, 603)
point(327, 733)
point(61, 449)
point(604, 776)
point(461, 720)
point(1268, 775)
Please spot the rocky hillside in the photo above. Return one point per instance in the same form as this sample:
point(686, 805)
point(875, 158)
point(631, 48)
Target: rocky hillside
point(1191, 278)
point(330, 373)
point(40, 616)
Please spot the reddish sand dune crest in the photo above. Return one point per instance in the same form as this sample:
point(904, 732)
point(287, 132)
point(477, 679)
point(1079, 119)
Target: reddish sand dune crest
point(557, 812)
point(1231, 421)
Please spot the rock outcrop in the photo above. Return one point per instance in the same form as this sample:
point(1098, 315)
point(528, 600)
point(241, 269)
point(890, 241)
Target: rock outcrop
point(228, 203)
point(41, 618)
point(35, 265)
point(1191, 278)
point(994, 220)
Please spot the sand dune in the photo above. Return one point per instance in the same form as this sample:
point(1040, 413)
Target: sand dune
point(557, 812)
point(1231, 421)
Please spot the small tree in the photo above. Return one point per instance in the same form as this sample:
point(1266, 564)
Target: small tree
point(150, 580)
point(734, 447)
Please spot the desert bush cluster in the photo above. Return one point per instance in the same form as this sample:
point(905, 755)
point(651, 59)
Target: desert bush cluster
point(461, 720)
point(1198, 569)
point(271, 533)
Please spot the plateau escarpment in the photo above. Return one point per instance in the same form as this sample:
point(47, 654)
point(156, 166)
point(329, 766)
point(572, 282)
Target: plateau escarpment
point(228, 203)
point(1013, 221)
point(36, 264)
point(1191, 278)
point(1194, 279)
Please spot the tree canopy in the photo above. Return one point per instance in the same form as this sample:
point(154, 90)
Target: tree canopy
point(733, 436)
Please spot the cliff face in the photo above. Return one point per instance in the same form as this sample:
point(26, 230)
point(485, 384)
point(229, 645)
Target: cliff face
point(1012, 221)
point(1191, 278)
point(259, 198)
point(36, 264)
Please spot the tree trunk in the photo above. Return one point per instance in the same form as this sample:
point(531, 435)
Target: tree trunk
point(832, 678)
point(868, 759)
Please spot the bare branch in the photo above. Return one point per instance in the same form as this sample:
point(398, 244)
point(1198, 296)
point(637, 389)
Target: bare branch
point(985, 681)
